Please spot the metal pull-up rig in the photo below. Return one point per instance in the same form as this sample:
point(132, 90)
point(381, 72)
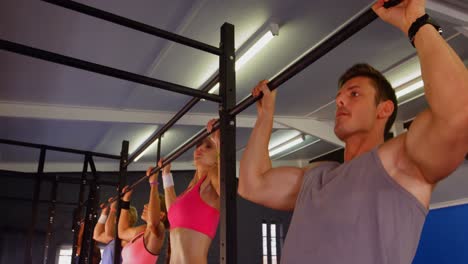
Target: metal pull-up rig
point(228, 109)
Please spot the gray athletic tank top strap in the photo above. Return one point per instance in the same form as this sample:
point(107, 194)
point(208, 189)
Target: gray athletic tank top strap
point(353, 213)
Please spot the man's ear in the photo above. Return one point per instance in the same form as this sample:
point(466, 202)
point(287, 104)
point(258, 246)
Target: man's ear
point(385, 109)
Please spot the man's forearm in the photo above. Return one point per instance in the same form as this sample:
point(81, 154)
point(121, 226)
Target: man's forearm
point(256, 159)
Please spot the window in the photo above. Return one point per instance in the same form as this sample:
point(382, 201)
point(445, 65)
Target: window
point(273, 244)
point(272, 240)
point(264, 243)
point(65, 255)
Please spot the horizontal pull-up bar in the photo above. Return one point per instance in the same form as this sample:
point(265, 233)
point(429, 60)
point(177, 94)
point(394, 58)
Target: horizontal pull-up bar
point(105, 70)
point(171, 122)
point(60, 149)
point(337, 37)
point(94, 12)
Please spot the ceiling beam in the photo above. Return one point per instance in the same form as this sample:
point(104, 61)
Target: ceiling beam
point(78, 113)
point(450, 13)
point(320, 129)
point(447, 12)
point(463, 30)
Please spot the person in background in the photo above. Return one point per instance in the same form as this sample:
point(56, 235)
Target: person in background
point(104, 230)
point(145, 241)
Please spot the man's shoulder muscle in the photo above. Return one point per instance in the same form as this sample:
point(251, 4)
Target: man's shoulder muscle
point(403, 170)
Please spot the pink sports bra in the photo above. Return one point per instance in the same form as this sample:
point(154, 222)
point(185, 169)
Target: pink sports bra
point(136, 252)
point(190, 211)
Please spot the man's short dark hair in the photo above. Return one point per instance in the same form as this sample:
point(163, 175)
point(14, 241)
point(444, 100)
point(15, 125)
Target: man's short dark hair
point(383, 88)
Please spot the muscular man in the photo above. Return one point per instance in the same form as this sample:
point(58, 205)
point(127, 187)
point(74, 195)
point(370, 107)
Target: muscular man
point(371, 209)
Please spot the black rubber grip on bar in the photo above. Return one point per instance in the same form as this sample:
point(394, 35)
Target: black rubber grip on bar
point(391, 3)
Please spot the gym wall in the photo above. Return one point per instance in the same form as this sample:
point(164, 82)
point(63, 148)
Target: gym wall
point(444, 238)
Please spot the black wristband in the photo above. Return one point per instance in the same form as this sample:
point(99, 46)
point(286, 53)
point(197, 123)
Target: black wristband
point(421, 21)
point(124, 205)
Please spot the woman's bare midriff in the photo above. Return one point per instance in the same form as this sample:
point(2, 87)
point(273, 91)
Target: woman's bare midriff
point(192, 246)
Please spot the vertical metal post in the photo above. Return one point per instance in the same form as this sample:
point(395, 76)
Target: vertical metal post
point(227, 122)
point(122, 182)
point(158, 152)
point(97, 190)
point(87, 250)
point(268, 240)
point(35, 207)
point(97, 185)
point(50, 225)
point(93, 168)
point(87, 246)
point(78, 211)
point(279, 241)
point(84, 252)
point(97, 193)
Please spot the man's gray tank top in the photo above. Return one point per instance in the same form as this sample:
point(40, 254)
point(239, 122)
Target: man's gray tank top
point(353, 213)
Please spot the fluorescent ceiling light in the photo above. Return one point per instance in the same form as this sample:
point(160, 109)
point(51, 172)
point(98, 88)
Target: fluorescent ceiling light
point(260, 44)
point(406, 79)
point(286, 145)
point(280, 136)
point(286, 153)
point(146, 150)
point(214, 89)
point(253, 50)
point(409, 87)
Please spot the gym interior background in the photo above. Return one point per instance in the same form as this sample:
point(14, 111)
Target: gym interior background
point(51, 104)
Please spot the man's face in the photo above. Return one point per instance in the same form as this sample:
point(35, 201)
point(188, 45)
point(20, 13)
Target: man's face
point(356, 111)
